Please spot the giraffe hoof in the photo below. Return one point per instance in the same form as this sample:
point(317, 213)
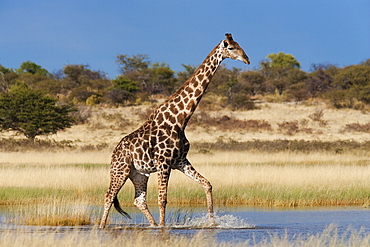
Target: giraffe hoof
point(212, 222)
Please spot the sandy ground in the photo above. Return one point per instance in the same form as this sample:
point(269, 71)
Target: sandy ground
point(108, 125)
point(274, 113)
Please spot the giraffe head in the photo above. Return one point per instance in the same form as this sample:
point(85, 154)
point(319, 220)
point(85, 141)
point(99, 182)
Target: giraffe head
point(231, 49)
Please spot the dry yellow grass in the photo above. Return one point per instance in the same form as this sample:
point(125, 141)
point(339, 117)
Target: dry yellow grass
point(224, 168)
point(55, 177)
point(103, 157)
point(54, 214)
point(281, 179)
point(284, 183)
point(55, 158)
point(238, 177)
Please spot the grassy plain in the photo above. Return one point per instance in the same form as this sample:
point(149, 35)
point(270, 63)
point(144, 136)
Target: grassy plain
point(280, 179)
point(78, 174)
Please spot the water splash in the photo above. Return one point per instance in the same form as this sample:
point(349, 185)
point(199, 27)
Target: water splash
point(227, 221)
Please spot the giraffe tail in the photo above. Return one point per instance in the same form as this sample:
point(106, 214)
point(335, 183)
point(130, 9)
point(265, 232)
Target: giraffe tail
point(119, 209)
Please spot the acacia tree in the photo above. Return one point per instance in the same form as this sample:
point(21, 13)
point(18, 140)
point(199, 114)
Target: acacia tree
point(277, 69)
point(282, 60)
point(32, 68)
point(134, 63)
point(32, 113)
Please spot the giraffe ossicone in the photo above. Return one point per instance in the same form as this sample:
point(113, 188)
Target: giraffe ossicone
point(160, 144)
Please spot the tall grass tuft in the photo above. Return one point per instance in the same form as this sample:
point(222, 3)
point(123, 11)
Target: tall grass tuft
point(56, 214)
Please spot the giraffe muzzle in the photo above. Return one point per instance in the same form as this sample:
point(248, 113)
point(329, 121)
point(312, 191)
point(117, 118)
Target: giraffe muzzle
point(246, 59)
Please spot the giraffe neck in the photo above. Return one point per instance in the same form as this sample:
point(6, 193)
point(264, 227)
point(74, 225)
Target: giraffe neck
point(181, 105)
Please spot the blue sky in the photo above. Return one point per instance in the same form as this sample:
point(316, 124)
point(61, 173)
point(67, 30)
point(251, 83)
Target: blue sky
point(54, 33)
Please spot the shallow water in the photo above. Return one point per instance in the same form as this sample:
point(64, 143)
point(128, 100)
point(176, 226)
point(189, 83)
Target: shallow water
point(234, 225)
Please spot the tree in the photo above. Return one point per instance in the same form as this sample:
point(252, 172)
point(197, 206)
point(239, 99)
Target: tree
point(134, 63)
point(318, 82)
point(252, 82)
point(4, 84)
point(355, 80)
point(80, 83)
point(32, 68)
point(223, 80)
point(81, 74)
point(353, 76)
point(4, 70)
point(164, 78)
point(350, 85)
point(32, 113)
point(283, 60)
point(277, 70)
point(366, 62)
point(123, 90)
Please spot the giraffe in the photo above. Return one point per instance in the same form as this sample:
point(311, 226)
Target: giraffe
point(160, 144)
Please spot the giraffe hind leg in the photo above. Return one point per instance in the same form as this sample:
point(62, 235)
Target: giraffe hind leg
point(140, 182)
point(111, 198)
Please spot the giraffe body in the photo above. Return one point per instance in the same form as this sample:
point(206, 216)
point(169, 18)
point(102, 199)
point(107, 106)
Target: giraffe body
point(160, 144)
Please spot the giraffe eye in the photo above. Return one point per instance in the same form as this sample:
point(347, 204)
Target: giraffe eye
point(230, 48)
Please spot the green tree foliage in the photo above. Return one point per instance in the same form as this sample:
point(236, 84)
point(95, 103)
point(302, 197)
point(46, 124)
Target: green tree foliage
point(353, 82)
point(79, 83)
point(353, 76)
point(278, 77)
point(32, 68)
point(4, 70)
point(281, 71)
point(28, 73)
point(282, 60)
point(126, 84)
point(4, 84)
point(251, 82)
point(123, 90)
point(32, 113)
point(164, 78)
point(152, 78)
point(81, 74)
point(134, 63)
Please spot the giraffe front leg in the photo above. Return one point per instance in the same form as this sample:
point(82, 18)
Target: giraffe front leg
point(190, 171)
point(163, 177)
